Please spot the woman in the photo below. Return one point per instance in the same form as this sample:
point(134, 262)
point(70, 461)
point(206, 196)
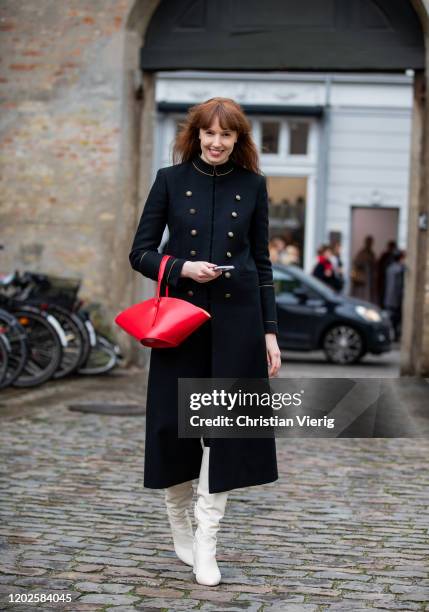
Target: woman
point(214, 201)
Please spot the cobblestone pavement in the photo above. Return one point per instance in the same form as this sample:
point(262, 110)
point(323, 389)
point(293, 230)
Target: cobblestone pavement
point(345, 527)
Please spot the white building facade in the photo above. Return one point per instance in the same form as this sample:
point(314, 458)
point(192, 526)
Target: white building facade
point(335, 149)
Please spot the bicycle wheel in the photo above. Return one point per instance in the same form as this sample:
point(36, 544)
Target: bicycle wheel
point(15, 335)
point(4, 357)
point(77, 339)
point(102, 358)
point(89, 334)
point(44, 347)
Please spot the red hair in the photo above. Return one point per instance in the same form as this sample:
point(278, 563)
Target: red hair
point(231, 117)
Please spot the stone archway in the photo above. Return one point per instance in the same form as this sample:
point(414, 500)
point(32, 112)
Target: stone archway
point(415, 340)
point(136, 163)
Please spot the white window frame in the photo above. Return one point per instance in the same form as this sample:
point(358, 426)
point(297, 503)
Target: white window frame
point(283, 164)
point(283, 156)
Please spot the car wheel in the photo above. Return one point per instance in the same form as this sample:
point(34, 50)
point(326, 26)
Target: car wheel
point(343, 344)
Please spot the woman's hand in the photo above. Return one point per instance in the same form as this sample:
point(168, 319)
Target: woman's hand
point(273, 355)
point(200, 271)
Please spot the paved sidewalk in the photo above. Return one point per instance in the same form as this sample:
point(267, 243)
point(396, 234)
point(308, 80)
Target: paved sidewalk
point(345, 528)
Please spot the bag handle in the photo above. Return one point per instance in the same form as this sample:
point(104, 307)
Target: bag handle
point(161, 271)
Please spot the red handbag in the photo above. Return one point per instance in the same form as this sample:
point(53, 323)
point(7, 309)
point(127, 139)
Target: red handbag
point(161, 322)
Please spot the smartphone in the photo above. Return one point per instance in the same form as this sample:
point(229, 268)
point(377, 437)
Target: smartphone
point(224, 268)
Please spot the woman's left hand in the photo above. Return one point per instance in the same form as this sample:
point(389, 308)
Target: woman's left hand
point(273, 355)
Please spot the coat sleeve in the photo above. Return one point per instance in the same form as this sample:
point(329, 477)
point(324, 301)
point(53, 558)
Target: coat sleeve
point(259, 248)
point(144, 256)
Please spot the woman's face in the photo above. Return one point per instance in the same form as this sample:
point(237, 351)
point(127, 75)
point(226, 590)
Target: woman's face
point(217, 144)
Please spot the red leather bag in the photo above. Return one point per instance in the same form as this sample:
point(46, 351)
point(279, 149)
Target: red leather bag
point(161, 321)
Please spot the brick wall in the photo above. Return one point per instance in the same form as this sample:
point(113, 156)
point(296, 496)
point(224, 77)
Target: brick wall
point(63, 158)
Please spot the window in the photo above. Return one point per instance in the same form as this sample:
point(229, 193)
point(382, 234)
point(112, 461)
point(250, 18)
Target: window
point(298, 137)
point(287, 197)
point(284, 282)
point(284, 137)
point(270, 136)
point(289, 286)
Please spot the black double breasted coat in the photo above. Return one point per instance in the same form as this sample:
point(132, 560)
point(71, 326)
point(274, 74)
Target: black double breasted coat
point(217, 214)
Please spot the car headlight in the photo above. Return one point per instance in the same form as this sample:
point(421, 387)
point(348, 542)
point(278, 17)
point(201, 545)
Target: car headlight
point(369, 314)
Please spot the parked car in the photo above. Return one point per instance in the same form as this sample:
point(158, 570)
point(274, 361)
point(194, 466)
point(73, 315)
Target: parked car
point(311, 316)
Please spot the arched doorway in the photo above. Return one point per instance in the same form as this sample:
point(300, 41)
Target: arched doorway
point(284, 36)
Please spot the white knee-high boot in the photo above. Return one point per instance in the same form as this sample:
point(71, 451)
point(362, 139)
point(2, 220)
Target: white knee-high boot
point(178, 499)
point(209, 510)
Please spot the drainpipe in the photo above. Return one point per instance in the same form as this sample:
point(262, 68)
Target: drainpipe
point(323, 168)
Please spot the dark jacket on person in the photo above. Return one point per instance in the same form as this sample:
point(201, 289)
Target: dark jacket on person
point(324, 271)
point(394, 286)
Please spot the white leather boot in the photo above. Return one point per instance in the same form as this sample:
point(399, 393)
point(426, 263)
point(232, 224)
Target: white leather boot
point(209, 510)
point(178, 499)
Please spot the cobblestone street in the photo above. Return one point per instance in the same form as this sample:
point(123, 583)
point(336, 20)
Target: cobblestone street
point(346, 527)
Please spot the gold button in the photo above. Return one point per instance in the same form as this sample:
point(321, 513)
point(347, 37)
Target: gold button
point(192, 211)
point(190, 293)
point(193, 252)
point(237, 197)
point(234, 214)
point(227, 274)
point(227, 295)
point(194, 232)
point(189, 193)
point(231, 234)
point(228, 254)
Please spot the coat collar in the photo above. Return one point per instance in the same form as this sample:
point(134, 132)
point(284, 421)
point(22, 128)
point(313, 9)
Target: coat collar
point(212, 169)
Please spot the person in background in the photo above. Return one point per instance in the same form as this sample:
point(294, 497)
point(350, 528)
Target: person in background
point(363, 272)
point(384, 260)
point(276, 246)
point(337, 264)
point(290, 255)
point(394, 291)
point(324, 270)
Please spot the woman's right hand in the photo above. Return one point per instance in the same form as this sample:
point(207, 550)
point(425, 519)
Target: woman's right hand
point(200, 271)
